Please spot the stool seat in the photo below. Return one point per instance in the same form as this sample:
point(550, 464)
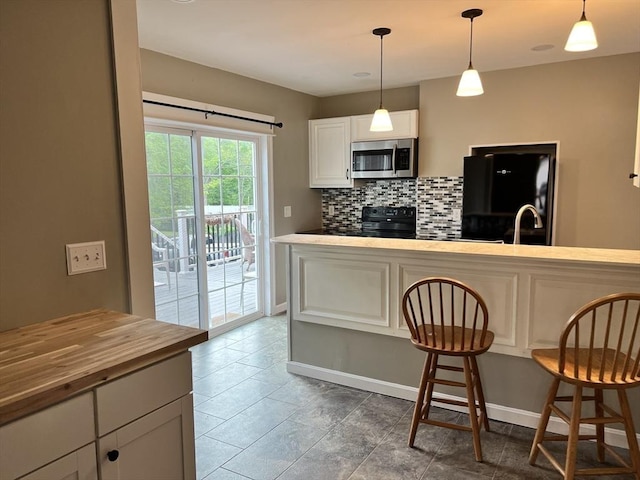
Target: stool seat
point(448, 318)
point(599, 359)
point(452, 340)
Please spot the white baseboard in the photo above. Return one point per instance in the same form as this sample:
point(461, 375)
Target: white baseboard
point(278, 309)
point(500, 413)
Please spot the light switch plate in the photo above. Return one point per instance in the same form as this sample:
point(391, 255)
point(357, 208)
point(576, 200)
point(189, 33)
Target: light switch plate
point(86, 257)
point(287, 211)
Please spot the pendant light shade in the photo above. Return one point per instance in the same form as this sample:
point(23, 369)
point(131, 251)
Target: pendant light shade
point(381, 121)
point(582, 37)
point(470, 84)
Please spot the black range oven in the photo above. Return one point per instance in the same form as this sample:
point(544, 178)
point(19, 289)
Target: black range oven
point(385, 222)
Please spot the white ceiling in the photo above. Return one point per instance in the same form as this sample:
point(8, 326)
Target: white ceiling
point(316, 46)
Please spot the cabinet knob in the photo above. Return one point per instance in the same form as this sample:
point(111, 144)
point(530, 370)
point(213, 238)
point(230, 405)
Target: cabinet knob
point(113, 455)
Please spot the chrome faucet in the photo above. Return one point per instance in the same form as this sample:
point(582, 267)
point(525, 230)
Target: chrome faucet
point(536, 216)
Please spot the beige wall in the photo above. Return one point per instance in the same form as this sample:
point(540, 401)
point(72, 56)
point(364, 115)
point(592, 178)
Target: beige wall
point(394, 99)
point(59, 166)
point(589, 106)
point(171, 76)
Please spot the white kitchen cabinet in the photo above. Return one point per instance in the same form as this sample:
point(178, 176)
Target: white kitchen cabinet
point(405, 125)
point(330, 153)
point(158, 445)
point(78, 465)
point(145, 416)
point(36, 440)
point(145, 423)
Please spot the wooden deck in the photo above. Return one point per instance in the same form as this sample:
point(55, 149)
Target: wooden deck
point(232, 294)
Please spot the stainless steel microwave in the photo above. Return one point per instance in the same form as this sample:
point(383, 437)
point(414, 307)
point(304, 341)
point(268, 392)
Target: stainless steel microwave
point(385, 159)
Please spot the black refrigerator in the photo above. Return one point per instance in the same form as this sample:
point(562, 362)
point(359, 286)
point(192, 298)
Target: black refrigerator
point(495, 186)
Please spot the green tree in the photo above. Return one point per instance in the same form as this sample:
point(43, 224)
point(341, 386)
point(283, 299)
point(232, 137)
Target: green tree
point(227, 172)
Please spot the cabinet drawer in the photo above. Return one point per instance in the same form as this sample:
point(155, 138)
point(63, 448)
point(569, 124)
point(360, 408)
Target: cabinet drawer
point(45, 436)
point(130, 397)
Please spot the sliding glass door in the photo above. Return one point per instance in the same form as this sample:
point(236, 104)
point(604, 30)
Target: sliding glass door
point(231, 218)
point(205, 222)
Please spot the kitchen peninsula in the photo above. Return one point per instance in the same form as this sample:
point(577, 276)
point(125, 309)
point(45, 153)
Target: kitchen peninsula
point(345, 318)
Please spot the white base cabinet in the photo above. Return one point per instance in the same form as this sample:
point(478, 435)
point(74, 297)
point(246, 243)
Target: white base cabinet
point(30, 443)
point(145, 423)
point(158, 445)
point(142, 423)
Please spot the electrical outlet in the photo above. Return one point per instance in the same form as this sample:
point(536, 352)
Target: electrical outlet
point(86, 257)
point(287, 211)
point(456, 215)
point(332, 210)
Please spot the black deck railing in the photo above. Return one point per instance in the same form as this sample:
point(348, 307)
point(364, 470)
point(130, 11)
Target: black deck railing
point(222, 240)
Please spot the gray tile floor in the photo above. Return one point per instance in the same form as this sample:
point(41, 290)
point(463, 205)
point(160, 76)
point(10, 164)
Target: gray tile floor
point(253, 420)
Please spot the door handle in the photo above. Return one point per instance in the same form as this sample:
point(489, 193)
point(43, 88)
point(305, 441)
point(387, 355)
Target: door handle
point(393, 159)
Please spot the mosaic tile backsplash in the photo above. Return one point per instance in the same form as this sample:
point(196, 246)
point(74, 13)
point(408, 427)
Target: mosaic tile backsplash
point(436, 199)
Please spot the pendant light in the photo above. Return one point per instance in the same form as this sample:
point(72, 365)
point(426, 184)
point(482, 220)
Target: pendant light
point(470, 83)
point(582, 37)
point(381, 121)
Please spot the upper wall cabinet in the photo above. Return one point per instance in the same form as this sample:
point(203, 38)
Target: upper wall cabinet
point(405, 125)
point(330, 152)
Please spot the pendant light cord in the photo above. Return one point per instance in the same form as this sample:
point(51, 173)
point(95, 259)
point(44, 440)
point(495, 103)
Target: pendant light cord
point(583, 18)
point(471, 44)
point(381, 37)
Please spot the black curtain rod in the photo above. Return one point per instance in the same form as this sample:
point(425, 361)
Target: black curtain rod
point(213, 112)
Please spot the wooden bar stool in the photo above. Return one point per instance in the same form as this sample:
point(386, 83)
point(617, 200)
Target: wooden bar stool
point(447, 317)
point(596, 351)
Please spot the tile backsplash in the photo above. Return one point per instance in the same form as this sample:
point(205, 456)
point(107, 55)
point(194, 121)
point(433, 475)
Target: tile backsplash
point(436, 198)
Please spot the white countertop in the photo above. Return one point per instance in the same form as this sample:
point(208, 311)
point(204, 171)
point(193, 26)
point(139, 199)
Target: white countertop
point(535, 252)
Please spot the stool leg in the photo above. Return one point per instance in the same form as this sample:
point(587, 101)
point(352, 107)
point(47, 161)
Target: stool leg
point(480, 393)
point(574, 432)
point(634, 452)
point(599, 400)
point(417, 411)
point(473, 414)
point(544, 420)
point(433, 367)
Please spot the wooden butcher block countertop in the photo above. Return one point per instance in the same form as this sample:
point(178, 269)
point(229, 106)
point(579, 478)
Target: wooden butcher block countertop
point(47, 362)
